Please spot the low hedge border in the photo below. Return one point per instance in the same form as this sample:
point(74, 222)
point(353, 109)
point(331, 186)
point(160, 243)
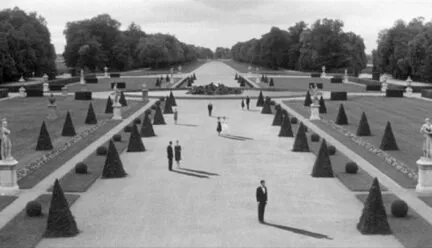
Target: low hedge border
point(319, 85)
point(371, 87)
point(394, 93)
point(338, 96)
point(83, 95)
point(120, 85)
point(35, 93)
point(4, 93)
point(336, 80)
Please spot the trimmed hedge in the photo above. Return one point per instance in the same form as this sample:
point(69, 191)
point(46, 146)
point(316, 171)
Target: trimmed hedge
point(351, 168)
point(319, 85)
point(120, 85)
point(336, 80)
point(338, 96)
point(314, 137)
point(115, 75)
point(34, 93)
point(56, 87)
point(399, 209)
point(117, 137)
point(426, 93)
point(315, 75)
point(127, 129)
point(294, 120)
point(83, 95)
point(372, 87)
point(331, 150)
point(91, 80)
point(81, 168)
point(101, 150)
point(4, 93)
point(394, 93)
point(33, 209)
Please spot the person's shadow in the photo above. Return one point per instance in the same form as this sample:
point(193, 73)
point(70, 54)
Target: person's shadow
point(299, 231)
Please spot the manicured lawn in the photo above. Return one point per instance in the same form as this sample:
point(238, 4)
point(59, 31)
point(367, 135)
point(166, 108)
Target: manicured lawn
point(243, 68)
point(406, 116)
point(412, 231)
point(24, 231)
point(186, 68)
point(5, 200)
point(302, 84)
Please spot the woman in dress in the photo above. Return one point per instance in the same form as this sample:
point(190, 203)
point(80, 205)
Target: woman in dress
point(225, 127)
point(219, 126)
point(242, 103)
point(177, 153)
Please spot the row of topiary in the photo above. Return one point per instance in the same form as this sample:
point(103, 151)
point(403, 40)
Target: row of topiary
point(213, 89)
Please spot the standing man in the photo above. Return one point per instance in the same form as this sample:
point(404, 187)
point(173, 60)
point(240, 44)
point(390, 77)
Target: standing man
point(210, 108)
point(170, 156)
point(247, 102)
point(261, 196)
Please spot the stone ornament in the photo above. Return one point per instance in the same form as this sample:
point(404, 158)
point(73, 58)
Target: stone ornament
point(6, 145)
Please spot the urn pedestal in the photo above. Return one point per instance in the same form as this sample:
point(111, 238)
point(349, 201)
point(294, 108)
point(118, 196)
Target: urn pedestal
point(45, 88)
point(408, 91)
point(384, 87)
point(22, 92)
point(8, 177)
point(424, 184)
point(314, 107)
point(117, 114)
point(52, 111)
point(144, 94)
point(64, 91)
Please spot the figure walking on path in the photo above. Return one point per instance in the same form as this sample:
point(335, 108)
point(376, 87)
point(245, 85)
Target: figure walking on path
point(177, 153)
point(225, 127)
point(175, 115)
point(247, 102)
point(242, 104)
point(219, 126)
point(261, 196)
point(210, 108)
point(170, 155)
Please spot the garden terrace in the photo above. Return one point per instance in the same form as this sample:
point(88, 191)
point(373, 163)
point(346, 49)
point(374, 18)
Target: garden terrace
point(302, 84)
point(243, 68)
point(186, 68)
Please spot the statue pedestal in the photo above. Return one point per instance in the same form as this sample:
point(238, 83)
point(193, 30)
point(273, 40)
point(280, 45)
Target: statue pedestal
point(345, 80)
point(384, 87)
point(144, 94)
point(323, 75)
point(424, 184)
point(106, 75)
point(82, 81)
point(64, 91)
point(45, 88)
point(52, 114)
point(8, 177)
point(117, 115)
point(408, 91)
point(21, 79)
point(314, 112)
point(22, 92)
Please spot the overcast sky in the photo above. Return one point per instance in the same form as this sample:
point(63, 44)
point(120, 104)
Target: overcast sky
point(212, 23)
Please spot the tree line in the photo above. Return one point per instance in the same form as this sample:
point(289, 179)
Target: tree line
point(306, 49)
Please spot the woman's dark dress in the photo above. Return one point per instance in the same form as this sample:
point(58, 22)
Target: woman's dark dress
point(177, 153)
point(219, 127)
point(242, 104)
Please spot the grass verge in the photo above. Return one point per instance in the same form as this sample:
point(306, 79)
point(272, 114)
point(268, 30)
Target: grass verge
point(5, 200)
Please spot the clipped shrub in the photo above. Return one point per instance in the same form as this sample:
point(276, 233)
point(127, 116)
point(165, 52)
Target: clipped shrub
point(322, 107)
point(108, 106)
point(363, 127)
point(172, 99)
point(158, 118)
point(294, 120)
point(81, 168)
point(101, 150)
point(338, 96)
point(315, 137)
point(399, 208)
point(286, 129)
point(322, 166)
point(135, 142)
point(300, 141)
point(341, 118)
point(331, 150)
point(308, 100)
point(137, 121)
point(351, 167)
point(44, 141)
point(260, 100)
point(153, 107)
point(127, 129)
point(113, 167)
point(388, 142)
point(33, 209)
point(117, 137)
point(272, 103)
point(278, 117)
point(91, 116)
point(318, 85)
point(4, 93)
point(68, 127)
point(336, 80)
point(122, 99)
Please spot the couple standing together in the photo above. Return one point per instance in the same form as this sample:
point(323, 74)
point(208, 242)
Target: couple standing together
point(176, 154)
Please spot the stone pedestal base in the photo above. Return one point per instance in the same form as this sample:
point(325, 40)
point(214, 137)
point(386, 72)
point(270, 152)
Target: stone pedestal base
point(409, 91)
point(383, 88)
point(323, 75)
point(8, 177)
point(314, 112)
point(106, 75)
point(345, 80)
point(22, 94)
point(82, 81)
point(144, 94)
point(64, 91)
point(424, 184)
point(52, 115)
point(117, 115)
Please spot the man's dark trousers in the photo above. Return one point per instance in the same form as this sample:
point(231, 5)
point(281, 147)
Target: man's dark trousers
point(261, 208)
point(247, 103)
point(170, 163)
point(210, 110)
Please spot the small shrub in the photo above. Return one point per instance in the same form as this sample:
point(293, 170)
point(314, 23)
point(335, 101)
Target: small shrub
point(153, 107)
point(399, 208)
point(33, 209)
point(351, 168)
point(101, 150)
point(294, 120)
point(315, 137)
point(161, 98)
point(117, 137)
point(137, 121)
point(127, 129)
point(331, 150)
point(272, 103)
point(81, 168)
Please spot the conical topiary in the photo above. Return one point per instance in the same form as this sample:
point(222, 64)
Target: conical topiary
point(341, 118)
point(260, 100)
point(322, 166)
point(158, 118)
point(322, 107)
point(91, 116)
point(147, 127)
point(135, 142)
point(109, 107)
point(278, 118)
point(388, 142)
point(113, 167)
point(300, 142)
point(68, 127)
point(363, 127)
point(60, 222)
point(172, 99)
point(374, 217)
point(308, 100)
point(267, 106)
point(286, 128)
point(271, 84)
point(122, 99)
point(44, 140)
point(168, 107)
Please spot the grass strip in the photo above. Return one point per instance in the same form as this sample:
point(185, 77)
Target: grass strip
point(5, 200)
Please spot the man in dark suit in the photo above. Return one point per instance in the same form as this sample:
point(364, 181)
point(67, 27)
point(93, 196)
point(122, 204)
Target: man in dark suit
point(170, 155)
point(247, 102)
point(210, 108)
point(261, 196)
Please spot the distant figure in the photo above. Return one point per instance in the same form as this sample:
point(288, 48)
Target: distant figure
point(261, 196)
point(247, 102)
point(225, 127)
point(219, 126)
point(210, 108)
point(242, 103)
point(170, 156)
point(175, 116)
point(177, 153)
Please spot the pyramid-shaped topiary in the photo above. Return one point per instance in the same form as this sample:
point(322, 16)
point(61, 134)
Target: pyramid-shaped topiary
point(158, 118)
point(322, 166)
point(147, 127)
point(68, 127)
point(278, 118)
point(260, 100)
point(113, 167)
point(271, 84)
point(363, 127)
point(322, 107)
point(388, 142)
point(308, 100)
point(122, 99)
point(172, 99)
point(341, 118)
point(300, 142)
point(91, 116)
point(60, 222)
point(168, 107)
point(135, 142)
point(267, 106)
point(286, 128)
point(44, 140)
point(374, 217)
point(109, 107)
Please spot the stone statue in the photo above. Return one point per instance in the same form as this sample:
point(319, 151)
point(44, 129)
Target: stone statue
point(117, 94)
point(51, 99)
point(426, 130)
point(315, 94)
point(6, 145)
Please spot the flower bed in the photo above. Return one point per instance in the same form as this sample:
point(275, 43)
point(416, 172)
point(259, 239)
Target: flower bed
point(213, 89)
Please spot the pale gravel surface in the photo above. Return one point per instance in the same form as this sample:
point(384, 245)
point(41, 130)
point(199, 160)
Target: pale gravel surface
point(153, 207)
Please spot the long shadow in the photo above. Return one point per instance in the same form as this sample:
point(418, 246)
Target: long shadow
point(299, 231)
point(238, 137)
point(200, 171)
point(189, 174)
point(229, 137)
point(187, 125)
